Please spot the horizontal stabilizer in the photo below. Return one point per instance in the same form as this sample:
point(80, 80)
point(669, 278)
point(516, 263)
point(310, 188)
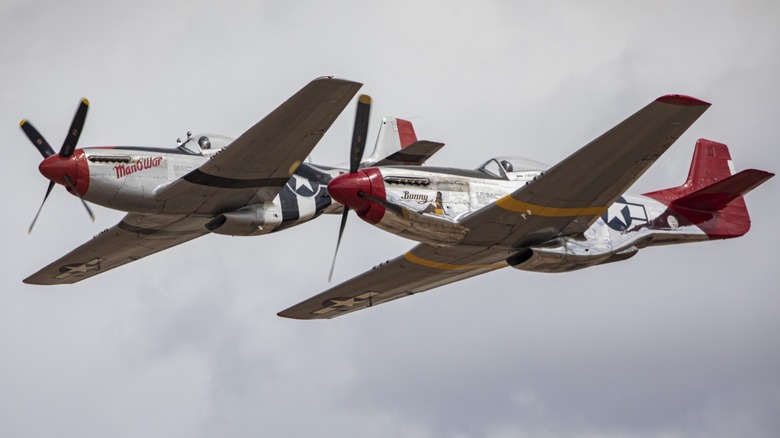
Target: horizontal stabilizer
point(712, 196)
point(413, 155)
point(720, 194)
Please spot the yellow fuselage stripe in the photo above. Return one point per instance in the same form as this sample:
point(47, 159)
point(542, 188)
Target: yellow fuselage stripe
point(512, 204)
point(448, 267)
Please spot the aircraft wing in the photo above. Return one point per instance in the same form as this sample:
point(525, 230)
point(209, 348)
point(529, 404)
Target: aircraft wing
point(257, 165)
point(569, 197)
point(133, 238)
point(422, 268)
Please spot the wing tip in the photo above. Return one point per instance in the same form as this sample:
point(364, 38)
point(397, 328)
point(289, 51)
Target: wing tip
point(336, 79)
point(34, 281)
point(763, 173)
point(291, 315)
point(682, 100)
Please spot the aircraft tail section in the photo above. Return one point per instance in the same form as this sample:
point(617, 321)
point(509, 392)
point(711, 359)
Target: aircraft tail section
point(712, 196)
point(394, 135)
point(722, 193)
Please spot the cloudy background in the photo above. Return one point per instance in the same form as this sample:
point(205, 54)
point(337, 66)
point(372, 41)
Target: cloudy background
point(679, 341)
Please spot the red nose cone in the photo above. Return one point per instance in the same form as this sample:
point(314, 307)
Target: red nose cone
point(345, 190)
point(55, 168)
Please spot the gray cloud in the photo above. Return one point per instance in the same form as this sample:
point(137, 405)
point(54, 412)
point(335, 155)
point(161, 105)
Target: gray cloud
point(678, 341)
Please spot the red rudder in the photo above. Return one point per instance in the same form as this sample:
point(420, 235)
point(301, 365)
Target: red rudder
point(711, 197)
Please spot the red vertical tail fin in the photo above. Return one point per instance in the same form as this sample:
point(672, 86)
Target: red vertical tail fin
point(711, 197)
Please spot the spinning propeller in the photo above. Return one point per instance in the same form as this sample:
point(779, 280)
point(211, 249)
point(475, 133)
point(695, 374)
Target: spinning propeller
point(355, 155)
point(60, 166)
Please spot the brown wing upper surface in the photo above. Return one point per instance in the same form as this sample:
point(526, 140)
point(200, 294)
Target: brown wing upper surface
point(569, 197)
point(257, 165)
point(135, 237)
point(422, 268)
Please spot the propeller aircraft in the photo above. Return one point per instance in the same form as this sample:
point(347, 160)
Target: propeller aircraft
point(519, 213)
point(253, 185)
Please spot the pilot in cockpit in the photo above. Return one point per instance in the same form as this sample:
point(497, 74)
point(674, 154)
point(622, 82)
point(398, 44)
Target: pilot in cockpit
point(204, 142)
point(507, 166)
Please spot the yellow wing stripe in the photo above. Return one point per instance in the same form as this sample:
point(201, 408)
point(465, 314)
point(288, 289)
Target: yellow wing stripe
point(293, 167)
point(448, 267)
point(512, 204)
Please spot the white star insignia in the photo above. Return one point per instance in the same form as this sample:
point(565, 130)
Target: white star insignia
point(616, 211)
point(343, 303)
point(305, 183)
point(335, 304)
point(83, 268)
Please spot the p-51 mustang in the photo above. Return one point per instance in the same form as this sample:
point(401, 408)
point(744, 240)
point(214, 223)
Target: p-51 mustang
point(523, 214)
point(253, 185)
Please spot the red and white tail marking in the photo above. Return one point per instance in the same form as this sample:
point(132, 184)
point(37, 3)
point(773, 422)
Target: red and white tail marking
point(405, 132)
point(394, 135)
point(712, 196)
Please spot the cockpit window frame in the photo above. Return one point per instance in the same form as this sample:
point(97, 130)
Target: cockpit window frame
point(192, 149)
point(520, 166)
point(484, 168)
point(217, 141)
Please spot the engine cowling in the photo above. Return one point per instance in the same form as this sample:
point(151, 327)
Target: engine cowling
point(252, 220)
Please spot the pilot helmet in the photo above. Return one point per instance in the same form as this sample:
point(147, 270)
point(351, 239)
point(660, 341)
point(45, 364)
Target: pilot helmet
point(507, 165)
point(204, 142)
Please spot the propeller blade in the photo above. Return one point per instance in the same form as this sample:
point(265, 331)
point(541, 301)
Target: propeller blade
point(355, 155)
point(73, 189)
point(69, 145)
point(36, 138)
point(48, 190)
point(338, 242)
point(359, 132)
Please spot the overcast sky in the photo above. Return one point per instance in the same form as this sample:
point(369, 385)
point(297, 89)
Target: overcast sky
point(676, 342)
